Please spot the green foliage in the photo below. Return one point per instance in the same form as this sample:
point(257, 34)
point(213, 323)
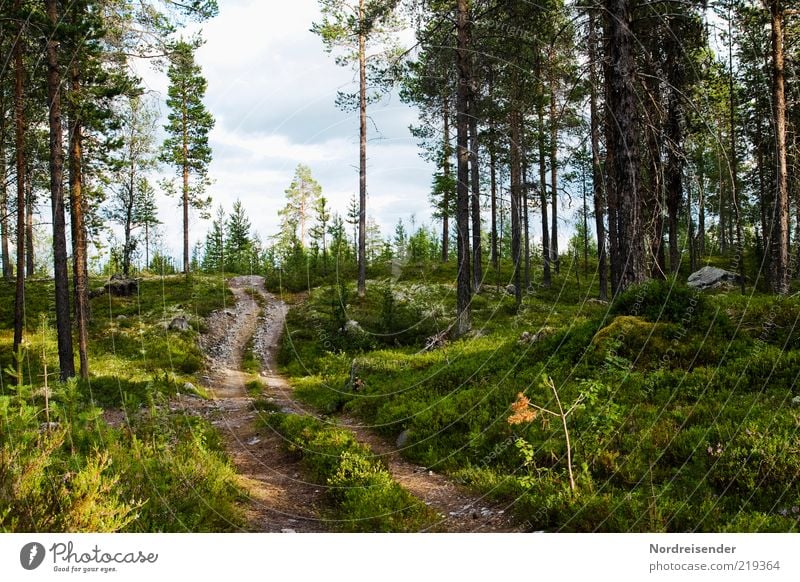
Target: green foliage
point(363, 494)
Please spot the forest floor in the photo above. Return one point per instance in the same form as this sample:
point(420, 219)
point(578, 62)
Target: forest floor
point(280, 499)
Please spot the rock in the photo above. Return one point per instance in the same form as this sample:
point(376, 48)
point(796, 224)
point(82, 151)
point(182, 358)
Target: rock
point(288, 530)
point(596, 301)
point(253, 441)
point(48, 426)
point(230, 313)
point(511, 289)
point(97, 292)
point(713, 278)
point(352, 326)
point(121, 317)
point(121, 286)
point(180, 323)
point(796, 401)
point(402, 439)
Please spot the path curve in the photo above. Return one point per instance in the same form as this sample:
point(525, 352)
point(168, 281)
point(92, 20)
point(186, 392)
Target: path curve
point(279, 499)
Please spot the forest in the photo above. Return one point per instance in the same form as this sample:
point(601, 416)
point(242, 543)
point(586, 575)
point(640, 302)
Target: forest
point(592, 328)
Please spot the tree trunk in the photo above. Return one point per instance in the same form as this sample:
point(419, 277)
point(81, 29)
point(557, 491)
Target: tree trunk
point(464, 292)
point(4, 248)
point(674, 178)
point(624, 133)
point(77, 206)
point(493, 187)
point(30, 254)
point(446, 173)
point(477, 266)
point(597, 171)
point(701, 209)
point(554, 175)
point(5, 256)
point(546, 281)
point(362, 155)
point(516, 190)
point(19, 146)
point(63, 328)
point(525, 218)
point(780, 230)
point(734, 163)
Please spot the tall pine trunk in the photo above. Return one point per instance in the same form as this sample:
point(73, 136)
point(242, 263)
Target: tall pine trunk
point(554, 175)
point(63, 327)
point(546, 280)
point(477, 267)
point(463, 290)
point(362, 154)
point(597, 171)
point(19, 146)
point(628, 256)
point(780, 229)
point(30, 254)
point(516, 191)
point(446, 174)
point(77, 205)
point(5, 256)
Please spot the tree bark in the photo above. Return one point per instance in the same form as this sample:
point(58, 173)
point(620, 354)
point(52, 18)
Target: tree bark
point(516, 191)
point(464, 292)
point(19, 146)
point(674, 178)
point(5, 256)
point(597, 171)
point(780, 230)
point(79, 252)
point(362, 155)
point(624, 134)
point(554, 175)
point(546, 280)
point(477, 267)
point(446, 174)
point(30, 252)
point(63, 328)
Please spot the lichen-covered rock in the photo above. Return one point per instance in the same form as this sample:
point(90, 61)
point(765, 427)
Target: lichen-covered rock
point(713, 278)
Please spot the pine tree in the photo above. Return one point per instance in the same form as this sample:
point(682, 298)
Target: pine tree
point(301, 197)
point(238, 242)
point(353, 26)
point(214, 252)
point(189, 124)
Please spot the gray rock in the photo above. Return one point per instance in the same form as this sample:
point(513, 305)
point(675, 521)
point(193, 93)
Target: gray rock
point(713, 278)
point(121, 286)
point(796, 401)
point(352, 326)
point(402, 439)
point(596, 301)
point(511, 289)
point(180, 323)
point(288, 530)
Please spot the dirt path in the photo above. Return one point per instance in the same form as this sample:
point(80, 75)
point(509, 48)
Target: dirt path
point(280, 500)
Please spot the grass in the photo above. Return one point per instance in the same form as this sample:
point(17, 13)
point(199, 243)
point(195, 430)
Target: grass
point(152, 471)
point(687, 422)
point(362, 495)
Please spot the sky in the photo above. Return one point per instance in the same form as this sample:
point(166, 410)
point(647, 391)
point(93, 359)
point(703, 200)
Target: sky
point(271, 89)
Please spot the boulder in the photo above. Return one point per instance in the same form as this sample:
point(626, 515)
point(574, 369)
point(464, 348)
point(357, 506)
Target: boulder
point(713, 278)
point(511, 289)
point(402, 439)
point(121, 286)
point(180, 323)
point(353, 327)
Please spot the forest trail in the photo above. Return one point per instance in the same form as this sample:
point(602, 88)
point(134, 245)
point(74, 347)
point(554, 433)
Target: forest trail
point(279, 499)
